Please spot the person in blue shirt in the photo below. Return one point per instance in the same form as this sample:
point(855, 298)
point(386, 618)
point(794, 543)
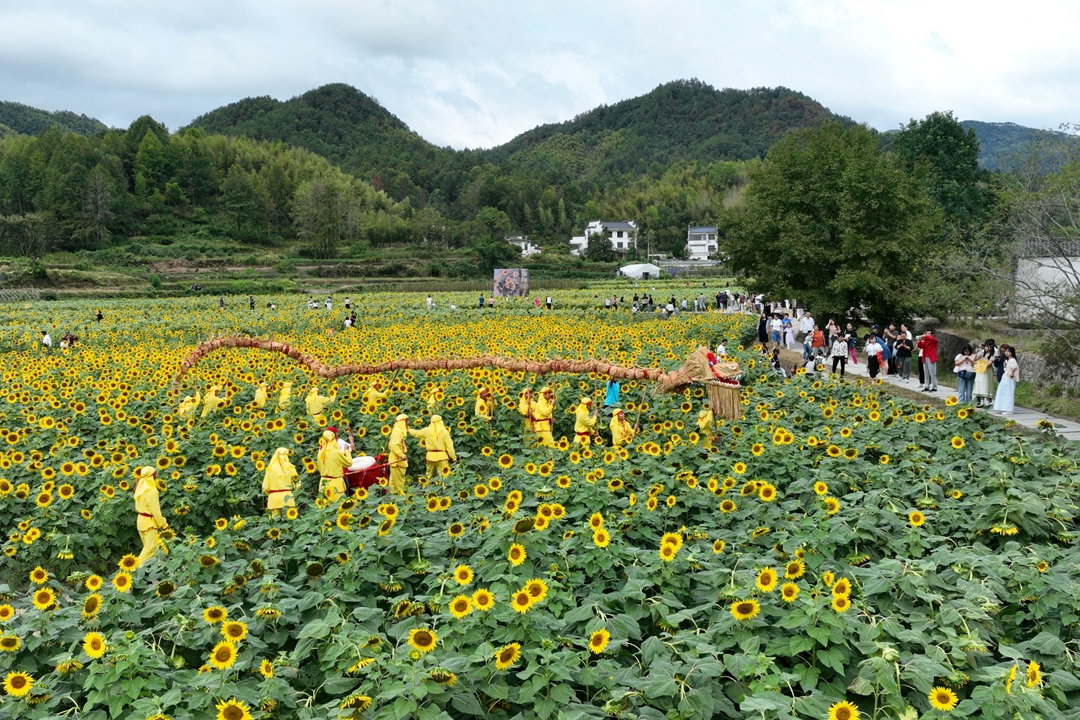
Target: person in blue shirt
point(612, 393)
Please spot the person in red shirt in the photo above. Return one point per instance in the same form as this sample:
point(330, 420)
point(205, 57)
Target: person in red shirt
point(817, 342)
point(928, 343)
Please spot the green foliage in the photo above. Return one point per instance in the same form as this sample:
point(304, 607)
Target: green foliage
point(1000, 142)
point(600, 248)
point(948, 154)
point(834, 222)
point(26, 120)
point(982, 585)
point(85, 192)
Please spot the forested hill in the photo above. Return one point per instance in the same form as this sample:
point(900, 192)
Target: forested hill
point(26, 120)
point(998, 141)
point(338, 122)
point(681, 120)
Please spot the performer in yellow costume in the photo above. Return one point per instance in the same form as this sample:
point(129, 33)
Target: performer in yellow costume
point(584, 422)
point(374, 395)
point(621, 432)
point(332, 462)
point(524, 408)
point(398, 460)
point(148, 506)
point(261, 396)
point(211, 402)
point(189, 404)
point(439, 444)
point(543, 412)
point(705, 422)
point(285, 396)
point(484, 409)
point(280, 482)
point(316, 403)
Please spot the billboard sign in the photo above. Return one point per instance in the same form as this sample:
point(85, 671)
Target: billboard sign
point(511, 282)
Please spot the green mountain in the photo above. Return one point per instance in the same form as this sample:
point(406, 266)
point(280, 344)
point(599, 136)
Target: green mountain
point(338, 122)
point(999, 141)
point(26, 120)
point(682, 120)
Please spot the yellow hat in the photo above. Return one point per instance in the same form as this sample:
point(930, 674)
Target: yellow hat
point(401, 417)
point(436, 418)
point(146, 471)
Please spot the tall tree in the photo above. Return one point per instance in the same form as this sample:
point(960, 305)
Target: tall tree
point(98, 207)
point(832, 221)
point(949, 156)
point(326, 213)
point(239, 199)
point(600, 248)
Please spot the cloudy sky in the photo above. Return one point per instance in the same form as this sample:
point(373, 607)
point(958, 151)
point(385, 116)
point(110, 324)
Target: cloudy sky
point(474, 73)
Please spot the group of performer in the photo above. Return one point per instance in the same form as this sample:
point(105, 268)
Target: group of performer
point(281, 481)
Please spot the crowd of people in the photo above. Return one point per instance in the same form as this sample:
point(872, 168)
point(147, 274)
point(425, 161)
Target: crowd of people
point(986, 376)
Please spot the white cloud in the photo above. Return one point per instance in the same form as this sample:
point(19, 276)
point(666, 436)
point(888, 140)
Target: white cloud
point(477, 72)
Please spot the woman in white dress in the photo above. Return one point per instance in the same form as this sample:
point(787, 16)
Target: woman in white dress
point(1005, 400)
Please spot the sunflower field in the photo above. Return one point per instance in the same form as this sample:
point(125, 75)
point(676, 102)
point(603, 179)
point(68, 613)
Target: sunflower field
point(836, 554)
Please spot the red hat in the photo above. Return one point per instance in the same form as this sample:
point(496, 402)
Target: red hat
point(332, 429)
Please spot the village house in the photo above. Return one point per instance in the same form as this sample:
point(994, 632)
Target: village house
point(623, 236)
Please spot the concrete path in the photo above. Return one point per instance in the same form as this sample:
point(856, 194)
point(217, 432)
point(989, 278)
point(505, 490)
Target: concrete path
point(1026, 417)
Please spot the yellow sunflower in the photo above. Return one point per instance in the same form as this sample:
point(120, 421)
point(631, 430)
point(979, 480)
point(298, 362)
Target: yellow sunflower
point(507, 655)
point(423, 640)
point(745, 609)
point(766, 580)
point(942, 698)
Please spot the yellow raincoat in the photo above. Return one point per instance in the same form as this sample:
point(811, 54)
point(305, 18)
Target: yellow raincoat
point(211, 402)
point(332, 462)
point(584, 422)
point(705, 426)
point(543, 411)
point(189, 404)
point(372, 396)
point(147, 505)
point(484, 409)
point(398, 460)
point(285, 396)
point(316, 403)
point(439, 444)
point(621, 431)
point(261, 396)
point(524, 408)
point(280, 482)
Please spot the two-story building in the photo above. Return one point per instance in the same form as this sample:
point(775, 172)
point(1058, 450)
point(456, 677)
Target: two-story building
point(701, 242)
point(623, 236)
point(523, 243)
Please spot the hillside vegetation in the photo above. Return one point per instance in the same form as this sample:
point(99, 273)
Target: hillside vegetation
point(27, 120)
point(225, 190)
point(1000, 141)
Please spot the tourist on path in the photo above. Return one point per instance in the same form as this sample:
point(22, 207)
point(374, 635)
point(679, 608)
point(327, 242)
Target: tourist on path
point(839, 354)
point(928, 343)
point(964, 367)
point(983, 366)
point(1005, 400)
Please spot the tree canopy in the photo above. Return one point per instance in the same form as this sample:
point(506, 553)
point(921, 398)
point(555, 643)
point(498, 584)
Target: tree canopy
point(832, 220)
